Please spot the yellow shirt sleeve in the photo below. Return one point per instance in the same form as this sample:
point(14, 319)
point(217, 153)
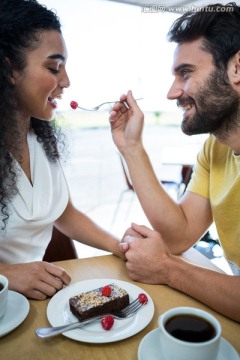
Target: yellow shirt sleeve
point(199, 182)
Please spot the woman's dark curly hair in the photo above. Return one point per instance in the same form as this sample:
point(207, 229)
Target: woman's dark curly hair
point(21, 23)
point(218, 24)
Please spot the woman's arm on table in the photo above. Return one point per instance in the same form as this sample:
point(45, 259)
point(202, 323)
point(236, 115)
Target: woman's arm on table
point(40, 279)
point(35, 280)
point(80, 227)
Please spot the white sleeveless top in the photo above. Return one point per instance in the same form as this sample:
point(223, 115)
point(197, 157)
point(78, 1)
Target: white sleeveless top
point(34, 209)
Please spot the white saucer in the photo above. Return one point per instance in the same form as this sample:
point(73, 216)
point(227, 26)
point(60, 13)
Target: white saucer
point(17, 310)
point(149, 348)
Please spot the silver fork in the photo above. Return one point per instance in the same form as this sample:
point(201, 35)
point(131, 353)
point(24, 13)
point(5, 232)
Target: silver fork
point(124, 313)
point(95, 108)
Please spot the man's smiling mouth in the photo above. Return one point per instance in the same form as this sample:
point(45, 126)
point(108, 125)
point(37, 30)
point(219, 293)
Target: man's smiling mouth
point(187, 107)
point(185, 104)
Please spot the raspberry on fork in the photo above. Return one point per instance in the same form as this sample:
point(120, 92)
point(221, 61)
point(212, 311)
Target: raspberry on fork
point(74, 105)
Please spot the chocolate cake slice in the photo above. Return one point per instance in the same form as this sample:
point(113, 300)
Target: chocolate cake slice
point(93, 303)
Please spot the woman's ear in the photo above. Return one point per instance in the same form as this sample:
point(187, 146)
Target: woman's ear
point(14, 73)
point(234, 71)
point(14, 77)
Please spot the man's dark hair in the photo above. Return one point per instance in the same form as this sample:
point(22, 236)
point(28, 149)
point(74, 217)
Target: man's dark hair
point(217, 24)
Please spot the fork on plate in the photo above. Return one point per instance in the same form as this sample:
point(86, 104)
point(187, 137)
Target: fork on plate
point(95, 108)
point(127, 312)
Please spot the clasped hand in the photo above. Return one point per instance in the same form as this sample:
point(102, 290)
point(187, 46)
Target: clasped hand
point(148, 258)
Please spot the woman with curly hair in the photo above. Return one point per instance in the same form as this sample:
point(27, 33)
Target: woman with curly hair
point(33, 191)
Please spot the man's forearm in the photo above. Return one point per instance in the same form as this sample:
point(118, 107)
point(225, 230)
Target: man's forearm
point(219, 291)
point(164, 214)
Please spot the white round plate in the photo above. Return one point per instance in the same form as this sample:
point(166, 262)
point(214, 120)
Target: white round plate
point(150, 348)
point(58, 313)
point(17, 310)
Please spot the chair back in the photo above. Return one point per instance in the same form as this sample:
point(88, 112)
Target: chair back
point(60, 248)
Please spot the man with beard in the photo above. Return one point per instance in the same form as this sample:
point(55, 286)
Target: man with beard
point(206, 85)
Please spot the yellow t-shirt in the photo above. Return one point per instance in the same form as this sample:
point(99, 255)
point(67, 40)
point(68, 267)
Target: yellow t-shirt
point(216, 177)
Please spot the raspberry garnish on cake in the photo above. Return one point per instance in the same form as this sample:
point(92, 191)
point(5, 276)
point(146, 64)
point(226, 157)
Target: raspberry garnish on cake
point(99, 301)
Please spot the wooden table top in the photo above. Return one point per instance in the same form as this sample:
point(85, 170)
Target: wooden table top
point(22, 343)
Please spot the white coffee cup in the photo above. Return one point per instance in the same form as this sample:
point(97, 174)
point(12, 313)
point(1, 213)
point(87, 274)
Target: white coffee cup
point(3, 295)
point(185, 349)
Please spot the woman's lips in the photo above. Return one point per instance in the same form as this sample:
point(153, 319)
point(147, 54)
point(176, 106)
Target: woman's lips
point(52, 102)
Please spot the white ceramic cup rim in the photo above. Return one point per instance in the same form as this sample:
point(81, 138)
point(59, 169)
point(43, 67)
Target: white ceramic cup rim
point(4, 281)
point(192, 311)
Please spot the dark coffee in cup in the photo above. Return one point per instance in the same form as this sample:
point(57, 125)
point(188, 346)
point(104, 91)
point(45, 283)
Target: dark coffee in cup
point(1, 286)
point(190, 328)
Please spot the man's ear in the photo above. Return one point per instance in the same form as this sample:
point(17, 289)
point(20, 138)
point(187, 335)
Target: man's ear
point(234, 71)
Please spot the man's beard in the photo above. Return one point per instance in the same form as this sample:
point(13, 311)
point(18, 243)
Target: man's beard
point(217, 108)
